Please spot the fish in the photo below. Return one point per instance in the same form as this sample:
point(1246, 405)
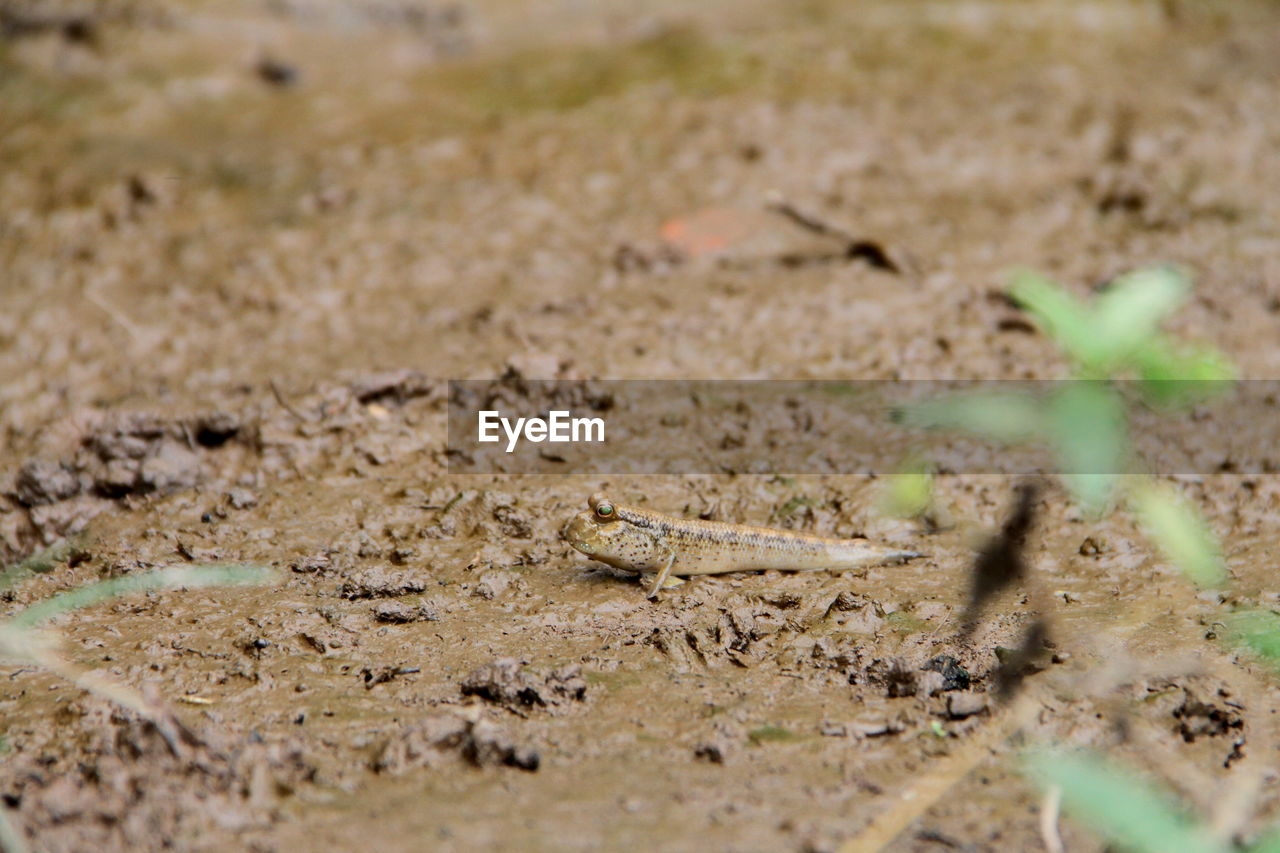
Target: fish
point(640, 540)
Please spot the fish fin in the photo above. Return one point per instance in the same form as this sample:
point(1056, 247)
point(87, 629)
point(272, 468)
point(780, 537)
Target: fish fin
point(661, 580)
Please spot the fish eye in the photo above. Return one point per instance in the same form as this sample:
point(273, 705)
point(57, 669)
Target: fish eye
point(604, 509)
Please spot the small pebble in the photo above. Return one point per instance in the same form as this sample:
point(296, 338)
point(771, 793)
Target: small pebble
point(961, 705)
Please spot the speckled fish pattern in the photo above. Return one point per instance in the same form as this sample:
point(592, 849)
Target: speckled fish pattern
point(642, 540)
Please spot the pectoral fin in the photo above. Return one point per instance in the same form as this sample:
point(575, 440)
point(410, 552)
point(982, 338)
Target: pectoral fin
point(663, 574)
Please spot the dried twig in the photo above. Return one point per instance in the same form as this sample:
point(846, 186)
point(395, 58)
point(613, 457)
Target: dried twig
point(114, 313)
point(808, 221)
point(921, 796)
point(854, 247)
point(284, 404)
point(154, 712)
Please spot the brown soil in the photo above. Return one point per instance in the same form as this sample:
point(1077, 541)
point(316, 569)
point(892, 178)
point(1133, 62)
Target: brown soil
point(243, 246)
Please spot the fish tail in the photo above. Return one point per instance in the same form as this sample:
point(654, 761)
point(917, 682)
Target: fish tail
point(856, 555)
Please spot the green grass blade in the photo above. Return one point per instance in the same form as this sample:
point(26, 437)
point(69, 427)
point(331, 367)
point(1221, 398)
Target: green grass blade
point(1120, 807)
point(1060, 314)
point(1089, 434)
point(1128, 313)
point(1007, 417)
point(40, 562)
point(17, 642)
point(1183, 537)
point(212, 575)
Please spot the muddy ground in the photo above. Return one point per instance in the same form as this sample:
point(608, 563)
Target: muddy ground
point(244, 245)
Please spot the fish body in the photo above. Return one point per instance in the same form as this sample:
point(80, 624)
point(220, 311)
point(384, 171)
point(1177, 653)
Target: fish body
point(640, 540)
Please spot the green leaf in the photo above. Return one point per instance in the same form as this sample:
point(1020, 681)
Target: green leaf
point(1127, 315)
point(909, 493)
point(1008, 417)
point(1089, 435)
point(212, 575)
point(768, 734)
point(1258, 631)
point(1180, 378)
point(1122, 808)
point(1183, 537)
point(1060, 314)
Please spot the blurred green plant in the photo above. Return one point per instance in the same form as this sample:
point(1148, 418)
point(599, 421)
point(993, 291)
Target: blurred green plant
point(770, 734)
point(41, 561)
point(1183, 537)
point(1084, 420)
point(908, 493)
point(1126, 810)
point(22, 636)
point(1258, 632)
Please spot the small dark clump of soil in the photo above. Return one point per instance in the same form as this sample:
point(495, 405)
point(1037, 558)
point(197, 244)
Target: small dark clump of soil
point(505, 682)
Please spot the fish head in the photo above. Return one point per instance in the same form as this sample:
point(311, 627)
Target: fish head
point(602, 534)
